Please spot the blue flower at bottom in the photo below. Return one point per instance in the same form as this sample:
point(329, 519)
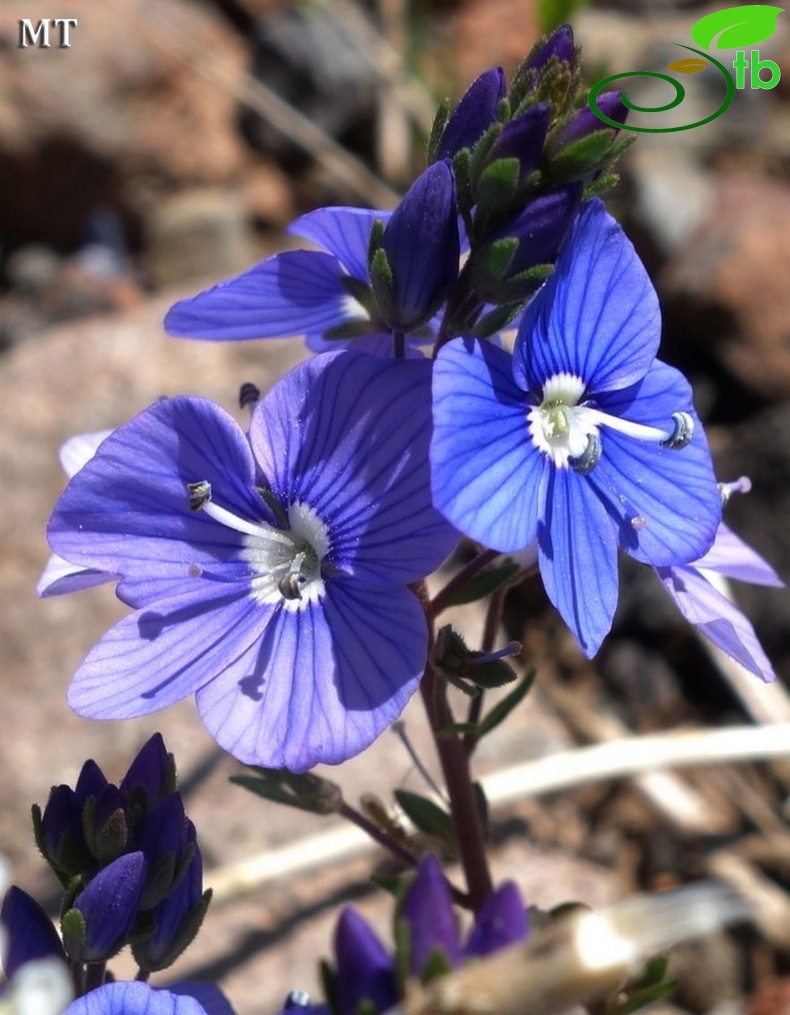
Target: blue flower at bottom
point(268, 571)
point(134, 998)
point(582, 439)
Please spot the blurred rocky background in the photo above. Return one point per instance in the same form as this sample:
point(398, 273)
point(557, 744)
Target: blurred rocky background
point(168, 147)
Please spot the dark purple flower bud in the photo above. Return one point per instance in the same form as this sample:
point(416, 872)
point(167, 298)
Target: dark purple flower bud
point(422, 249)
point(105, 824)
point(152, 773)
point(559, 44)
point(523, 138)
point(540, 228)
point(91, 781)
point(365, 971)
point(29, 931)
point(59, 833)
point(163, 837)
point(428, 911)
point(585, 121)
point(107, 907)
point(501, 921)
point(474, 114)
point(178, 917)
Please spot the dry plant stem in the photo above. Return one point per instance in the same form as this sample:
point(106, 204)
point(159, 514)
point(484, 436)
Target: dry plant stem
point(463, 802)
point(439, 601)
point(376, 833)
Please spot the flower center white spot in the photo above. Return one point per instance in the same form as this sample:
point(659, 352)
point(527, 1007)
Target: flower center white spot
point(568, 430)
point(286, 563)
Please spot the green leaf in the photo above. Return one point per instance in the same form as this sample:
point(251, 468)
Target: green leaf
point(483, 583)
point(72, 928)
point(652, 986)
point(495, 191)
point(488, 675)
point(427, 816)
point(503, 708)
point(736, 27)
point(306, 792)
point(580, 157)
point(496, 320)
point(489, 264)
point(437, 130)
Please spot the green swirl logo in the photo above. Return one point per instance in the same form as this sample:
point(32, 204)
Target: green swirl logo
point(680, 94)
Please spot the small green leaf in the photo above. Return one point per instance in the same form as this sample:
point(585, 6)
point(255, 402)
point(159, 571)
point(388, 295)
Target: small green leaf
point(437, 130)
point(736, 27)
point(580, 157)
point(489, 264)
point(496, 320)
point(503, 708)
point(495, 191)
point(495, 673)
point(306, 792)
point(427, 816)
point(72, 928)
point(652, 986)
point(482, 584)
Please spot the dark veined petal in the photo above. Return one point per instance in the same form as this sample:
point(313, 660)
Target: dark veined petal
point(578, 557)
point(348, 435)
point(717, 618)
point(293, 293)
point(487, 477)
point(344, 232)
point(500, 921)
point(732, 557)
point(597, 317)
point(324, 682)
point(135, 998)
point(127, 511)
point(159, 655)
point(667, 502)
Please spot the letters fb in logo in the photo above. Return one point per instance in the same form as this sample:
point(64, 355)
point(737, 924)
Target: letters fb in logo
point(735, 28)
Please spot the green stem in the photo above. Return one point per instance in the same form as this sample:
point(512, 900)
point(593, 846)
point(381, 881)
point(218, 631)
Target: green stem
point(493, 618)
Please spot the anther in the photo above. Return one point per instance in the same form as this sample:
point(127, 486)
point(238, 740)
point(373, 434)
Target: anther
point(248, 394)
point(199, 494)
point(726, 490)
point(513, 648)
point(682, 433)
point(589, 458)
point(297, 999)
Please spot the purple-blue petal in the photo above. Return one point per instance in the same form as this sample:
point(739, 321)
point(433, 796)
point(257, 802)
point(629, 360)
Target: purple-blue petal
point(210, 997)
point(717, 618)
point(487, 477)
point(135, 998)
point(585, 121)
point(160, 654)
point(667, 501)
point(298, 292)
point(428, 911)
point(61, 577)
point(474, 114)
point(323, 682)
point(365, 970)
point(127, 511)
point(559, 45)
point(732, 557)
point(501, 921)
point(342, 231)
point(151, 771)
point(540, 228)
point(578, 557)
point(523, 138)
point(349, 435)
point(596, 318)
point(30, 934)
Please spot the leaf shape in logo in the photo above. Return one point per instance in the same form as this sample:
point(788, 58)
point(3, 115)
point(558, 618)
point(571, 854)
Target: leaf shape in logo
point(736, 27)
point(689, 65)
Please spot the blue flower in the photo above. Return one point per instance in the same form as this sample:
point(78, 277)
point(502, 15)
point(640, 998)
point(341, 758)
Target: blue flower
point(134, 998)
point(582, 439)
point(97, 925)
point(268, 571)
point(697, 591)
point(314, 293)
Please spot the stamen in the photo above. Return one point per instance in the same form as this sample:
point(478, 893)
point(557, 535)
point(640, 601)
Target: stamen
point(683, 432)
point(589, 458)
point(249, 394)
point(513, 648)
point(200, 500)
point(726, 490)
